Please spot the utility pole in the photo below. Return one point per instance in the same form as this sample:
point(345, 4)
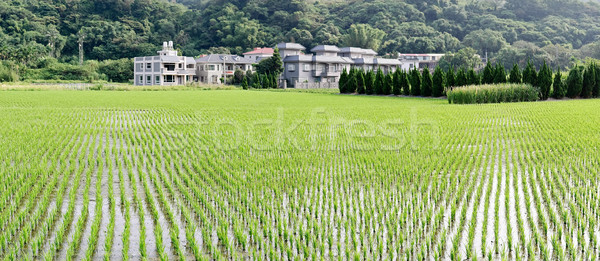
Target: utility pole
point(81, 37)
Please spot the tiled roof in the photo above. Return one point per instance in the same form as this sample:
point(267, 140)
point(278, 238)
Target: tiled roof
point(265, 50)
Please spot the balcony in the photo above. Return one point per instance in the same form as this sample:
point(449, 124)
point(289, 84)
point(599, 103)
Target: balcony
point(325, 73)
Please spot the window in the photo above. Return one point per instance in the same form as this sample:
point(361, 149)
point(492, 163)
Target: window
point(157, 79)
point(306, 67)
point(210, 67)
point(180, 66)
point(148, 66)
point(141, 81)
point(170, 67)
point(291, 67)
point(148, 79)
point(169, 78)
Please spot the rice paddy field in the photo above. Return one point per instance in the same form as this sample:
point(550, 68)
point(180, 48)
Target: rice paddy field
point(261, 175)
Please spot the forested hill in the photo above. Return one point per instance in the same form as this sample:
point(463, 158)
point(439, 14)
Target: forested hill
point(559, 31)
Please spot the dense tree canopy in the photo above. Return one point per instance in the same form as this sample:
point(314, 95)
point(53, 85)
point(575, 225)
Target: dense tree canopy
point(512, 31)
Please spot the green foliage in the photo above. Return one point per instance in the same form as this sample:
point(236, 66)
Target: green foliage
point(370, 82)
point(473, 77)
point(405, 83)
point(117, 70)
point(545, 81)
point(466, 57)
point(387, 84)
point(343, 81)
point(245, 83)
point(493, 93)
point(450, 78)
point(461, 77)
point(515, 74)
point(352, 81)
point(438, 82)
point(361, 82)
point(574, 82)
point(7, 74)
point(488, 74)
point(499, 74)
point(426, 83)
point(558, 86)
point(596, 91)
point(379, 82)
point(272, 65)
point(415, 82)
point(530, 74)
point(589, 81)
point(397, 83)
point(363, 36)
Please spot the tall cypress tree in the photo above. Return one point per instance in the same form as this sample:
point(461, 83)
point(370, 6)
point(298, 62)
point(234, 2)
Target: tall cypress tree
point(574, 82)
point(360, 82)
point(488, 74)
point(596, 91)
point(369, 81)
point(473, 77)
point(437, 89)
point(450, 78)
point(530, 74)
point(396, 85)
point(379, 82)
point(589, 81)
point(499, 74)
point(544, 81)
point(461, 78)
point(515, 74)
point(558, 86)
point(343, 81)
point(405, 83)
point(426, 83)
point(415, 82)
point(388, 84)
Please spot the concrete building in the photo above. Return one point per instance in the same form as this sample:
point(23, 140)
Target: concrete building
point(429, 60)
point(328, 62)
point(165, 69)
point(211, 68)
point(259, 53)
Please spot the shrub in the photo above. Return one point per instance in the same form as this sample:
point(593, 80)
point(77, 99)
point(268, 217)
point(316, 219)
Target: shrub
point(450, 78)
point(379, 82)
point(493, 93)
point(343, 81)
point(461, 78)
point(387, 84)
point(369, 82)
point(7, 74)
point(499, 74)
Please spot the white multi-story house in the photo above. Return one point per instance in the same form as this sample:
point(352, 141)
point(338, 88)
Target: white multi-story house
point(420, 61)
point(165, 69)
point(211, 68)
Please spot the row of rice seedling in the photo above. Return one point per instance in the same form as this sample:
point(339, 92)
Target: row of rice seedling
point(495, 186)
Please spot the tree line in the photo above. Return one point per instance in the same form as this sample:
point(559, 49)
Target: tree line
point(582, 81)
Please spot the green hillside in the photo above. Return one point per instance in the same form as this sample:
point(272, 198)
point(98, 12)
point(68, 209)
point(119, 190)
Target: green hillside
point(559, 31)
